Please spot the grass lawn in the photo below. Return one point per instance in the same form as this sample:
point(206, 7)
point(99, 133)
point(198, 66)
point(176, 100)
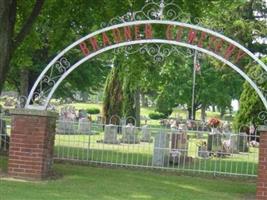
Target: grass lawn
point(85, 182)
point(145, 111)
point(77, 147)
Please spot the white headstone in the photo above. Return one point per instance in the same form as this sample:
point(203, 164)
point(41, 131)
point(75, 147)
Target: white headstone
point(110, 135)
point(161, 150)
point(84, 126)
point(146, 134)
point(66, 126)
point(130, 135)
point(234, 144)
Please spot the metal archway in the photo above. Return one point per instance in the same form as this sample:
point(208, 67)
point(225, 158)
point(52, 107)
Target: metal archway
point(59, 68)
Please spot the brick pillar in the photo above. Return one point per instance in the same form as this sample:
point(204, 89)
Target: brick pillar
point(31, 144)
point(262, 168)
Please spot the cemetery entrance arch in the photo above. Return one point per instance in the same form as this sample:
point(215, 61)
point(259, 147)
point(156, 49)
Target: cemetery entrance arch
point(127, 34)
point(142, 29)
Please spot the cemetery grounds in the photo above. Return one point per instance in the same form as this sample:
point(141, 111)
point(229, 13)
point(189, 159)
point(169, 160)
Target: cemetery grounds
point(168, 181)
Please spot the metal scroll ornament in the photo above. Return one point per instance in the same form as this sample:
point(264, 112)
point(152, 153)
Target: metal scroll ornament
point(152, 10)
point(159, 52)
point(262, 116)
point(50, 79)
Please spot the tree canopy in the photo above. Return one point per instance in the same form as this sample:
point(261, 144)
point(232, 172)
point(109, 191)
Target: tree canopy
point(33, 32)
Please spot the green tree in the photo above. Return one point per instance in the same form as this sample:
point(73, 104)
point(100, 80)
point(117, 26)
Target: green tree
point(113, 95)
point(61, 23)
point(17, 19)
point(251, 109)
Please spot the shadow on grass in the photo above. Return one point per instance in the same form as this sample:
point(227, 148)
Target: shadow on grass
point(88, 182)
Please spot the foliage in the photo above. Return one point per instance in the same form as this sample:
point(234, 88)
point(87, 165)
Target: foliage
point(128, 107)
point(113, 95)
point(17, 19)
point(59, 24)
point(175, 85)
point(157, 115)
point(251, 109)
point(93, 111)
point(168, 83)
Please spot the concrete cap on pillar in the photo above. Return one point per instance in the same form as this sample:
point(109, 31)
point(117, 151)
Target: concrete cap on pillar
point(42, 113)
point(262, 128)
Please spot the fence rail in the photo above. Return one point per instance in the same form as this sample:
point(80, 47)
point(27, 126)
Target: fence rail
point(191, 150)
point(4, 132)
point(161, 148)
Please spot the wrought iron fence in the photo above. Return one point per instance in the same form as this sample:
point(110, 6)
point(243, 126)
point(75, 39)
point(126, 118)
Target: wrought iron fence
point(4, 131)
point(184, 149)
point(178, 149)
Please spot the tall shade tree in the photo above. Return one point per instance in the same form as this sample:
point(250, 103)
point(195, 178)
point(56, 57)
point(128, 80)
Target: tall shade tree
point(13, 30)
point(60, 23)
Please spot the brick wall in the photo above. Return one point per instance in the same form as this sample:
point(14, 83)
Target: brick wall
point(262, 169)
point(31, 145)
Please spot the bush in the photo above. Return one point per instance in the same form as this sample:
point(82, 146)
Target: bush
point(156, 115)
point(93, 111)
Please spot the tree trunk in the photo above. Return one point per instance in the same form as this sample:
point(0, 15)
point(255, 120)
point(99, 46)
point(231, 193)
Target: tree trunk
point(144, 100)
point(113, 96)
point(129, 101)
point(203, 113)
point(189, 111)
point(7, 21)
point(24, 82)
point(9, 42)
point(191, 115)
point(137, 107)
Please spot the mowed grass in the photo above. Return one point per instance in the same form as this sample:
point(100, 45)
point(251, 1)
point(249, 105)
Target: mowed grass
point(86, 148)
point(85, 182)
point(145, 111)
point(225, 166)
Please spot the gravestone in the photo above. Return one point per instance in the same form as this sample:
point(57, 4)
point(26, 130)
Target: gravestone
point(161, 150)
point(234, 143)
point(66, 126)
point(179, 146)
point(110, 134)
point(215, 142)
point(179, 141)
point(67, 121)
point(243, 142)
point(130, 135)
point(84, 126)
point(123, 126)
point(82, 114)
point(146, 134)
point(203, 151)
point(226, 127)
